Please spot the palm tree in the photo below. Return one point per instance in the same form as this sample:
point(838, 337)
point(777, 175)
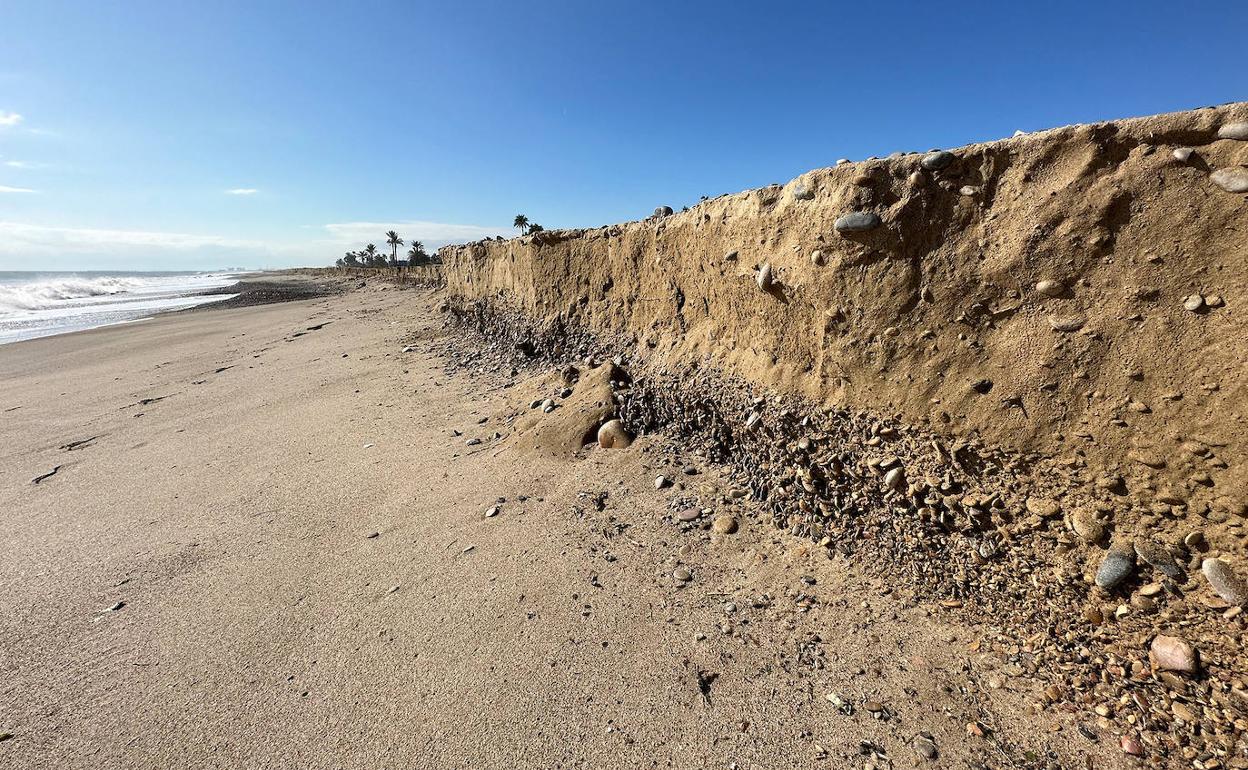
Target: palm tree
point(394, 242)
point(521, 223)
point(370, 255)
point(416, 253)
point(351, 259)
point(535, 228)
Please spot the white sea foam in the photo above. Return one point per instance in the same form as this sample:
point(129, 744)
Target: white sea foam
point(37, 305)
point(47, 293)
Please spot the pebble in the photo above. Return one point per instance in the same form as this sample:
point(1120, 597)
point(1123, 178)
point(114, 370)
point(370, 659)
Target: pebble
point(613, 435)
point(472, 442)
point(1184, 712)
point(662, 481)
point(818, 258)
point(662, 211)
point(1043, 507)
point(682, 575)
point(688, 514)
point(1087, 525)
point(731, 256)
point(1131, 745)
point(1050, 288)
point(1193, 302)
point(1170, 653)
point(895, 479)
point(724, 525)
point(492, 512)
point(937, 159)
point(1233, 180)
point(1067, 323)
point(1226, 583)
point(856, 222)
point(1237, 130)
point(1158, 557)
point(1183, 154)
point(803, 192)
point(969, 190)
point(765, 278)
point(1117, 566)
point(926, 747)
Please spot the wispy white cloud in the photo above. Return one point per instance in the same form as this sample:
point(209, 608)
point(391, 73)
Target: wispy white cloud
point(431, 233)
point(24, 164)
point(10, 119)
point(242, 191)
point(17, 237)
point(6, 189)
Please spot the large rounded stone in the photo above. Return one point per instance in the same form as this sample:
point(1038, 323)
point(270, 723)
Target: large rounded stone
point(1170, 653)
point(1050, 288)
point(895, 479)
point(937, 159)
point(765, 277)
point(1237, 130)
point(1233, 180)
point(613, 435)
point(856, 222)
point(1225, 582)
point(1116, 567)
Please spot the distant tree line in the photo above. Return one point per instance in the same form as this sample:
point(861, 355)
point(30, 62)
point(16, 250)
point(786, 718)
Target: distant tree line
point(369, 256)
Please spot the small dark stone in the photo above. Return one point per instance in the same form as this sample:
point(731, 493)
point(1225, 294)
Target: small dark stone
point(938, 159)
point(1117, 566)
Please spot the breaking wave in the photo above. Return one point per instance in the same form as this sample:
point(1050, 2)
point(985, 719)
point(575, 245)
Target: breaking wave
point(37, 295)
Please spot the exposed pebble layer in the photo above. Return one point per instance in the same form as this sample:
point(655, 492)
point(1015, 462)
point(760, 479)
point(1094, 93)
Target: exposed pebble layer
point(961, 526)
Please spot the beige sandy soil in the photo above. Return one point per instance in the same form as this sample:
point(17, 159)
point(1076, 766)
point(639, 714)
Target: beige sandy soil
point(226, 504)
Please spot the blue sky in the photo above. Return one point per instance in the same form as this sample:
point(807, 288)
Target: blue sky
point(137, 134)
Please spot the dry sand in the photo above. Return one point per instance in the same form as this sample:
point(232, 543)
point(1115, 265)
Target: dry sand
point(294, 538)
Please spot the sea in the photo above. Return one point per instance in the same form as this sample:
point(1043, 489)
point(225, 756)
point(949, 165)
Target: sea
point(40, 304)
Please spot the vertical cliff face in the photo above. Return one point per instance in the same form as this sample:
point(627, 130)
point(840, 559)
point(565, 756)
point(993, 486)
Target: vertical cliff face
point(1077, 292)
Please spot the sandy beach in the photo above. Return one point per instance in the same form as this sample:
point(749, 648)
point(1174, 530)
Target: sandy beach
point(266, 543)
